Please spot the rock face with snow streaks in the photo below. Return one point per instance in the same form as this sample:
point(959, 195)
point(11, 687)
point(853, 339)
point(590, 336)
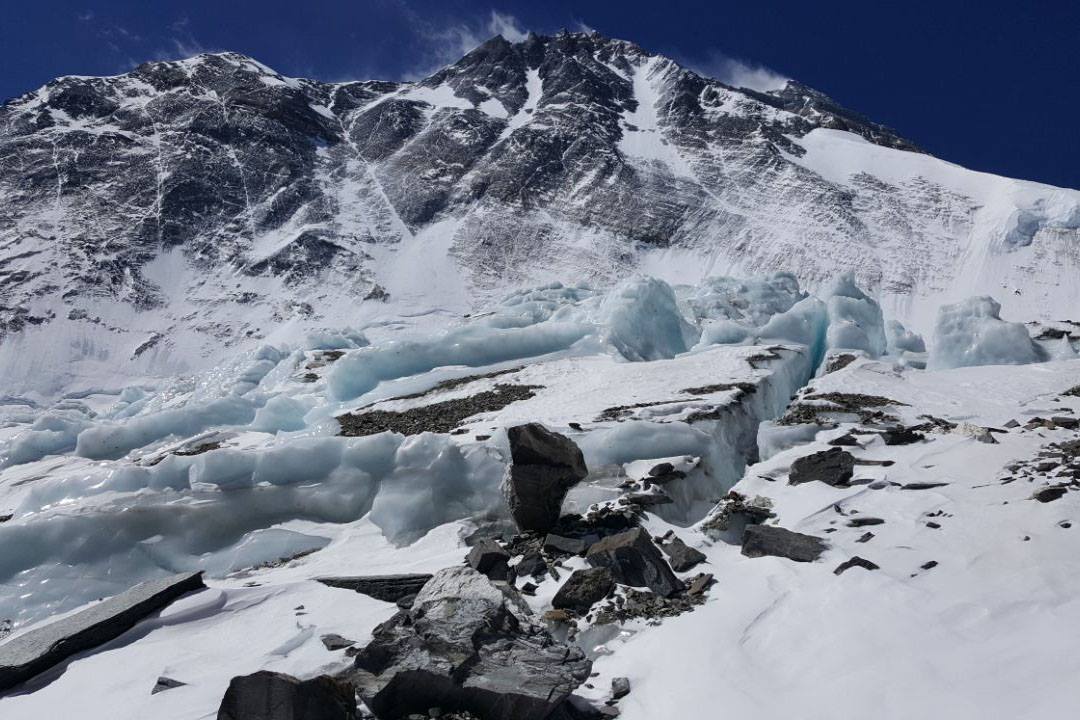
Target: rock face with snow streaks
point(218, 198)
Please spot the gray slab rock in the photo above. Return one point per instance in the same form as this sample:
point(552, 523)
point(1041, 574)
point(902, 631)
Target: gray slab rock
point(583, 588)
point(269, 695)
point(832, 467)
point(545, 465)
point(33, 652)
point(634, 560)
point(466, 645)
point(388, 588)
point(682, 556)
point(762, 540)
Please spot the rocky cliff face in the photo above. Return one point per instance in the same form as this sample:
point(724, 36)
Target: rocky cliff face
point(219, 201)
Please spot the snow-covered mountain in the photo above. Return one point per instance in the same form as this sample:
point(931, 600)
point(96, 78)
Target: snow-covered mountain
point(564, 384)
point(156, 222)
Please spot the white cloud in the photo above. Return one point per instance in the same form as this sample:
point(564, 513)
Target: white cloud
point(582, 26)
point(507, 26)
point(452, 42)
point(738, 73)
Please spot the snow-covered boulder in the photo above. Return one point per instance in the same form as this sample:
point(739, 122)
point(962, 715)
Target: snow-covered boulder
point(972, 332)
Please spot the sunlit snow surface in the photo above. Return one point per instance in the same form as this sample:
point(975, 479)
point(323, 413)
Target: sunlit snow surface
point(234, 470)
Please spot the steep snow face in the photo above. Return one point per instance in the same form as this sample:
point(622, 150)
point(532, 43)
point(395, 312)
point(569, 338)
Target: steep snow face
point(160, 221)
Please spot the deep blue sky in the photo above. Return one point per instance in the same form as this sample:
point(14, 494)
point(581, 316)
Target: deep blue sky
point(991, 85)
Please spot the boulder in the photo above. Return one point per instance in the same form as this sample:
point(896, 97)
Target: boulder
point(761, 540)
point(620, 687)
point(832, 467)
point(682, 556)
point(902, 436)
point(269, 695)
point(531, 564)
point(634, 560)
point(1049, 493)
point(545, 465)
point(854, 562)
point(388, 588)
point(333, 641)
point(583, 588)
point(165, 683)
point(33, 652)
point(489, 558)
point(467, 645)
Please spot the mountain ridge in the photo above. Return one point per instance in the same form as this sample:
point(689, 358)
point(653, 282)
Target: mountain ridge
point(220, 201)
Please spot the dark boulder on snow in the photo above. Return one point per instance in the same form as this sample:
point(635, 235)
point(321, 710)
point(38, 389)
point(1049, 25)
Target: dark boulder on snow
point(165, 683)
point(682, 556)
point(388, 588)
point(33, 652)
point(467, 645)
point(761, 540)
point(855, 562)
point(489, 558)
point(269, 695)
point(902, 436)
point(583, 588)
point(1049, 493)
point(832, 467)
point(545, 465)
point(633, 559)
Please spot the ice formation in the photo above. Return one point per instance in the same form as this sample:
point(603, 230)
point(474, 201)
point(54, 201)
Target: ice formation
point(972, 332)
point(244, 465)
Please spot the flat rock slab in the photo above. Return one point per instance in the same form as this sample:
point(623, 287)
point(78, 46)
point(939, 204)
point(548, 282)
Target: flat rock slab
point(269, 695)
point(388, 588)
point(762, 540)
point(33, 652)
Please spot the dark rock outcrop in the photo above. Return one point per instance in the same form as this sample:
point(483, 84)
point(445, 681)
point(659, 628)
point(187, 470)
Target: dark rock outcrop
point(467, 645)
point(832, 467)
point(33, 652)
point(634, 560)
point(545, 465)
point(583, 588)
point(269, 695)
point(761, 540)
point(388, 588)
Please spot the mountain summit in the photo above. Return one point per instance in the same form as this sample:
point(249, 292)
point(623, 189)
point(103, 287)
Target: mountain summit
point(221, 202)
